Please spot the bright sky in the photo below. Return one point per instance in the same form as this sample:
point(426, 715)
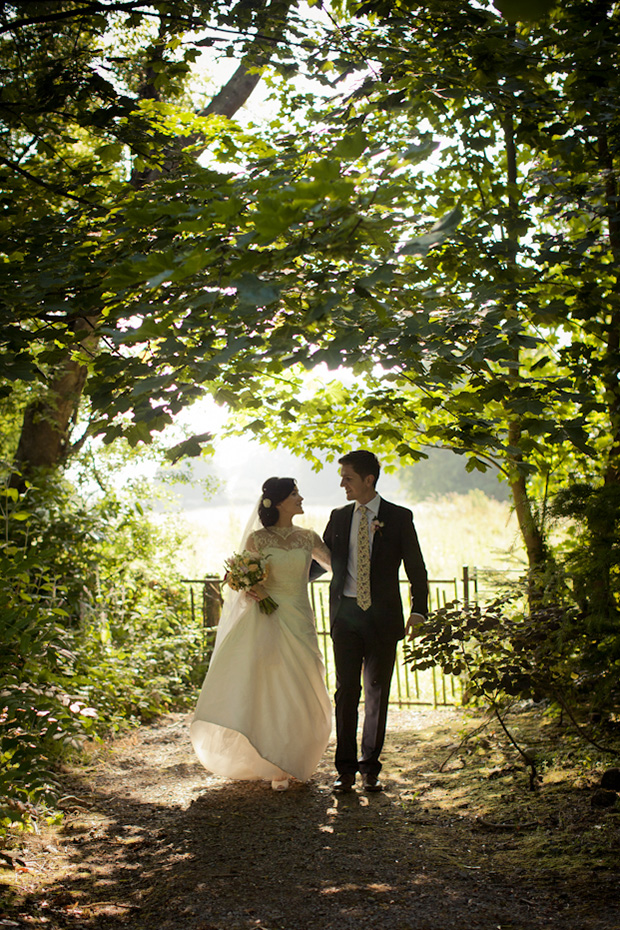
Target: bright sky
point(243, 464)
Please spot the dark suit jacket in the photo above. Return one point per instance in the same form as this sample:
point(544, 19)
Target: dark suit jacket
point(395, 542)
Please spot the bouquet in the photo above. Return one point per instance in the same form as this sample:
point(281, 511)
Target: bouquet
point(243, 571)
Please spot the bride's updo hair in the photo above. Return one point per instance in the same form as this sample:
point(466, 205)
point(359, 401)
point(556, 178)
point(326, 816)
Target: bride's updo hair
point(275, 490)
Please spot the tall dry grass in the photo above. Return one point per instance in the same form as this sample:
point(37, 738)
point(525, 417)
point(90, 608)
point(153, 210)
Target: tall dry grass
point(455, 530)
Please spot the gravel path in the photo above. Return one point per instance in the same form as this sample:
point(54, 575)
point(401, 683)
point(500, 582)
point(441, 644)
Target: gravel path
point(152, 842)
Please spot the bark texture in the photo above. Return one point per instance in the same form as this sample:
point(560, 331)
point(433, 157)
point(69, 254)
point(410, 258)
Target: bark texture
point(612, 356)
point(44, 438)
point(529, 526)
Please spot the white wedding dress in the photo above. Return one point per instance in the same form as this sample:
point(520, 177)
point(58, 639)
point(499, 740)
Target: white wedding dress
point(264, 711)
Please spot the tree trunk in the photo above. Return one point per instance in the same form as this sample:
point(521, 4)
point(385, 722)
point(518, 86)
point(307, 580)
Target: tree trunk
point(44, 438)
point(235, 92)
point(612, 355)
point(529, 526)
point(537, 554)
point(230, 98)
point(603, 519)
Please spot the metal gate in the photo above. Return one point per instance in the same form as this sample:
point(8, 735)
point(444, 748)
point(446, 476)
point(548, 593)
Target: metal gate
point(430, 687)
point(409, 687)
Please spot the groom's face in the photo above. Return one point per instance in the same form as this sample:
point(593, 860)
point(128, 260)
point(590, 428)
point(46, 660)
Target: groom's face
point(357, 488)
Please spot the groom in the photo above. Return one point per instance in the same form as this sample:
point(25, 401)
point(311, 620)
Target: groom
point(368, 540)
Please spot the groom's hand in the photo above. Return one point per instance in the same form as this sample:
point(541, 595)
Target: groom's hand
point(415, 625)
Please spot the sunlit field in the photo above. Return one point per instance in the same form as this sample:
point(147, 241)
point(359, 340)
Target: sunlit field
point(454, 531)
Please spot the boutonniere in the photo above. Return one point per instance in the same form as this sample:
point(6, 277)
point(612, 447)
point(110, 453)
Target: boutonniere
point(376, 526)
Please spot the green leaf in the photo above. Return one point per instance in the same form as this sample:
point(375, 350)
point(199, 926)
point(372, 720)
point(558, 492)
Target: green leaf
point(524, 10)
point(440, 231)
point(188, 448)
point(254, 292)
point(112, 151)
point(351, 146)
point(160, 278)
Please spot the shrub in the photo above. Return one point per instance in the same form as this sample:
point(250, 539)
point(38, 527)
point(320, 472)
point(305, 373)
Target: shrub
point(95, 633)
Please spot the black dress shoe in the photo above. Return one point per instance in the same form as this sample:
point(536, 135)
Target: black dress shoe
point(344, 782)
point(371, 783)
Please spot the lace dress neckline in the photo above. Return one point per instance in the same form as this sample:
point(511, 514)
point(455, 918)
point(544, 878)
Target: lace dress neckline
point(283, 531)
point(284, 537)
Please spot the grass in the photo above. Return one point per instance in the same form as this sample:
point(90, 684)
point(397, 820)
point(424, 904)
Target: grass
point(455, 530)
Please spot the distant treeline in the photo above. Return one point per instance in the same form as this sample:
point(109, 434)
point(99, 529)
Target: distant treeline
point(443, 472)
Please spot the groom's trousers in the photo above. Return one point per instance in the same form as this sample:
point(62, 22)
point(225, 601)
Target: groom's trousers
point(360, 651)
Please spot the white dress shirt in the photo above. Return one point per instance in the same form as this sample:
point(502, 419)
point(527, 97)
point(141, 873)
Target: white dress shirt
point(372, 512)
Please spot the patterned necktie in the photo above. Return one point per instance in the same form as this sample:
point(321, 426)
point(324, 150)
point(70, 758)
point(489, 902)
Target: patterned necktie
point(363, 561)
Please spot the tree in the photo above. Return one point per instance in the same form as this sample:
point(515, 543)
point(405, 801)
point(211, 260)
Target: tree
point(502, 344)
point(443, 472)
point(66, 119)
point(321, 249)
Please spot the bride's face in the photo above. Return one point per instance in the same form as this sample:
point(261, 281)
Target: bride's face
point(291, 505)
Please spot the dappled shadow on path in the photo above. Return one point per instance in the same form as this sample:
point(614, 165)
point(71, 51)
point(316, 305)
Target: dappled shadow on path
point(199, 853)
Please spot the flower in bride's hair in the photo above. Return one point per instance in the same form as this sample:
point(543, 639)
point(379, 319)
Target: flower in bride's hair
point(266, 503)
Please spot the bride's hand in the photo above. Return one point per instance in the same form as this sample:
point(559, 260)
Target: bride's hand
point(257, 592)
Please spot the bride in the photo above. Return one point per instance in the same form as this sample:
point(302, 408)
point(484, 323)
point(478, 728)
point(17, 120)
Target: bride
point(264, 711)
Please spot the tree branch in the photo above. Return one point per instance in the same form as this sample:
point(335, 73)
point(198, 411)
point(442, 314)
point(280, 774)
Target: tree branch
point(78, 11)
point(235, 92)
point(41, 183)
point(582, 730)
point(527, 757)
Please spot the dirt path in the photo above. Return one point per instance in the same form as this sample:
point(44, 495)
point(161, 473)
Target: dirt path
point(151, 842)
